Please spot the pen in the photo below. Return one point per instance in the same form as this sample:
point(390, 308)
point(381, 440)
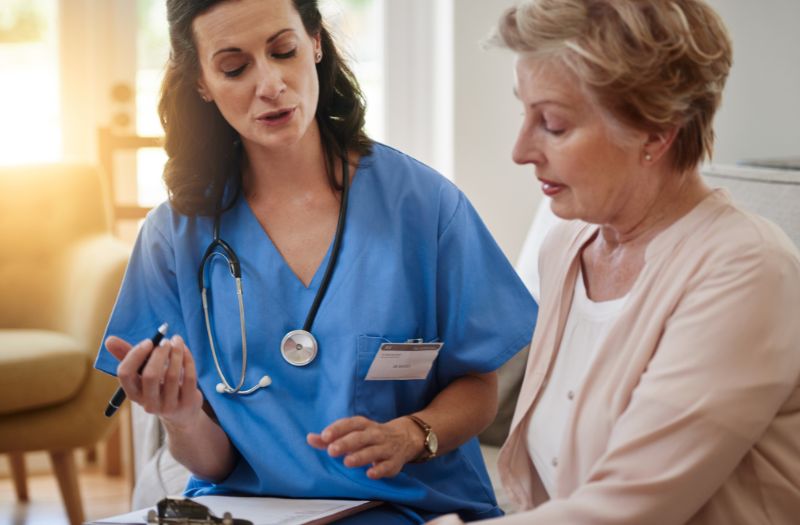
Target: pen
point(119, 395)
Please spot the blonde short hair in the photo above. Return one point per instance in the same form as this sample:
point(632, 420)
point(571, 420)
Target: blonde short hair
point(651, 64)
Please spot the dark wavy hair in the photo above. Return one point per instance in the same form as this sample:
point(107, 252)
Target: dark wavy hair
point(204, 151)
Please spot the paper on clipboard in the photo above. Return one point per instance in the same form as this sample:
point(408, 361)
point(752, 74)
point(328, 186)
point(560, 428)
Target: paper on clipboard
point(263, 511)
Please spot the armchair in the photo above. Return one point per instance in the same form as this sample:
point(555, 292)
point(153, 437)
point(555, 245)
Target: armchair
point(60, 270)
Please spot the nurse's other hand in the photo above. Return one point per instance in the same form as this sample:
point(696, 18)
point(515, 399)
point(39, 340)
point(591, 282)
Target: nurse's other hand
point(385, 446)
point(167, 385)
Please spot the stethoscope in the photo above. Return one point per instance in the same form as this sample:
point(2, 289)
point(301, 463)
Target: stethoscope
point(298, 347)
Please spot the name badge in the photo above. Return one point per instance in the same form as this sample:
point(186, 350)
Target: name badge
point(403, 361)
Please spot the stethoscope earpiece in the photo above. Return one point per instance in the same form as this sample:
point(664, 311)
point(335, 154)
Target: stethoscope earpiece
point(264, 382)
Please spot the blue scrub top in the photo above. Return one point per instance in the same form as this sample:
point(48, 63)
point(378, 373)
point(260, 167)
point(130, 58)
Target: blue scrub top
point(416, 261)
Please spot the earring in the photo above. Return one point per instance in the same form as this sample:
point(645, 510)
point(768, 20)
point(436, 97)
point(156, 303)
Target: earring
point(318, 57)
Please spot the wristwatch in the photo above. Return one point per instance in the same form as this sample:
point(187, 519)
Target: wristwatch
point(431, 445)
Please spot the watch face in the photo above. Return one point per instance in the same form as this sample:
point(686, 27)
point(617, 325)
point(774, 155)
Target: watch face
point(432, 443)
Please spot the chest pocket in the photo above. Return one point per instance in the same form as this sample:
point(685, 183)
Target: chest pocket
point(382, 401)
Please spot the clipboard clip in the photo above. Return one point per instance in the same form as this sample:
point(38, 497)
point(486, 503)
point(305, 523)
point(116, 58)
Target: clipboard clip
point(174, 511)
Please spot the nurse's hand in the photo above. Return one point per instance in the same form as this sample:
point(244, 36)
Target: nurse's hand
point(385, 446)
point(167, 385)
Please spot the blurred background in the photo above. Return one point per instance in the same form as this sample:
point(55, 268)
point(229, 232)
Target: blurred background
point(69, 68)
point(79, 82)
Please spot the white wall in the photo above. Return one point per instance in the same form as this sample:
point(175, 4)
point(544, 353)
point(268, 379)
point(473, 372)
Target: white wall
point(760, 113)
point(486, 120)
point(760, 116)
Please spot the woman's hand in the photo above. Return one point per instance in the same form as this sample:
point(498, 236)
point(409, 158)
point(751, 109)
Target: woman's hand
point(167, 386)
point(385, 446)
point(447, 519)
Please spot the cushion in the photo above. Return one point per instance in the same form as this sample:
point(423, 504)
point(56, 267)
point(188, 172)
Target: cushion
point(47, 208)
point(39, 368)
point(490, 454)
point(509, 381)
point(771, 193)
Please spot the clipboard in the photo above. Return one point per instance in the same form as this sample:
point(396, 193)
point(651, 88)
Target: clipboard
point(259, 510)
point(344, 513)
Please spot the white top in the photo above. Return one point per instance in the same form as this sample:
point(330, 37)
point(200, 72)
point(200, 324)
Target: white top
point(586, 326)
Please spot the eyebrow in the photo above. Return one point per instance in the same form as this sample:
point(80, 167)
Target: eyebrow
point(542, 102)
point(238, 50)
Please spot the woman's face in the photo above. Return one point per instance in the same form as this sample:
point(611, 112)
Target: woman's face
point(258, 65)
point(582, 165)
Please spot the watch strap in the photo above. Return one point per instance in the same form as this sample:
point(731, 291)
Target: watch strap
point(426, 453)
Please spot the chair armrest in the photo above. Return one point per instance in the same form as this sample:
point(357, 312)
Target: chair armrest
point(91, 273)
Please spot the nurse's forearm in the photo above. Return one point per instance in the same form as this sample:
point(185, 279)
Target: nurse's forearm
point(462, 410)
point(201, 446)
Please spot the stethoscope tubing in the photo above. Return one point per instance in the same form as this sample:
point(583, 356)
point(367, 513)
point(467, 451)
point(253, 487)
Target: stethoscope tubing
point(337, 240)
point(219, 248)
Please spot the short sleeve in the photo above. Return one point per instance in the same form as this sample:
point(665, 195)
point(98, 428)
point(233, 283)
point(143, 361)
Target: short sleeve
point(485, 313)
point(148, 296)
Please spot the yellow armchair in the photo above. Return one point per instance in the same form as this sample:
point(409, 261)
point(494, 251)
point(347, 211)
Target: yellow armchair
point(60, 269)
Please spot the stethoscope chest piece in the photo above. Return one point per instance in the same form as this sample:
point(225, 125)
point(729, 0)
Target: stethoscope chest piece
point(299, 347)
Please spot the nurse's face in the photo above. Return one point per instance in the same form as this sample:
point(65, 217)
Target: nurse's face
point(584, 165)
point(258, 64)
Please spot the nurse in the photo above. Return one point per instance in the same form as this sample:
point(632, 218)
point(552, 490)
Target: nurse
point(270, 174)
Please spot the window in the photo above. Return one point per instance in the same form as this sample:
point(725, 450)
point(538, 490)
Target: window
point(357, 27)
point(30, 130)
point(355, 24)
point(152, 52)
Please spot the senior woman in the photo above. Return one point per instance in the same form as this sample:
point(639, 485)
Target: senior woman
point(662, 384)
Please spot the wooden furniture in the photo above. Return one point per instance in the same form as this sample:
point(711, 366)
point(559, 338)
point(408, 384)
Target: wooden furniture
point(109, 143)
point(60, 269)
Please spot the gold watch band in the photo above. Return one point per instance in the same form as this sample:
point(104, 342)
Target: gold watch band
point(430, 445)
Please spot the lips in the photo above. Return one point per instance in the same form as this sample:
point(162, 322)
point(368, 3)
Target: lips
point(550, 188)
point(272, 118)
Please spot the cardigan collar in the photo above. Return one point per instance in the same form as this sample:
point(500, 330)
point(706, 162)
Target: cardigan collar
point(675, 232)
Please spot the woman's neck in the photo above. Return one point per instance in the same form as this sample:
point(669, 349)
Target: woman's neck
point(292, 169)
point(656, 211)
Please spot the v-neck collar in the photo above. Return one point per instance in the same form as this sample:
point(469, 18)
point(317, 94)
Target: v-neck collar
point(264, 236)
point(319, 273)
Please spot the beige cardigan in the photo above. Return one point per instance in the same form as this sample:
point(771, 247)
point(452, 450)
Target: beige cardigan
point(691, 411)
